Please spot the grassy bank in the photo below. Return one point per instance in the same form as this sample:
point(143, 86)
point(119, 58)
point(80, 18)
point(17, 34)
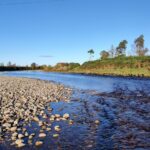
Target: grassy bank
point(115, 72)
point(122, 66)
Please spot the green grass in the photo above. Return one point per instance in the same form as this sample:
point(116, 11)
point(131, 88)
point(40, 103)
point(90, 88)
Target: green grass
point(124, 66)
point(118, 62)
point(122, 72)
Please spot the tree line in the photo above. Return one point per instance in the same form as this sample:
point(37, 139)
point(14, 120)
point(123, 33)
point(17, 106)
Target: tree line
point(120, 50)
point(113, 52)
point(13, 67)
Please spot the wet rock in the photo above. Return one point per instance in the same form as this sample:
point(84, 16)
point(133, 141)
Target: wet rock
point(33, 134)
point(24, 129)
point(30, 142)
point(55, 135)
point(44, 116)
point(57, 115)
point(58, 119)
point(42, 135)
point(52, 119)
point(20, 136)
point(18, 129)
point(70, 122)
point(40, 123)
point(26, 134)
point(13, 138)
point(19, 142)
point(38, 143)
point(21, 145)
point(15, 134)
point(30, 137)
point(57, 128)
point(66, 116)
point(24, 101)
point(44, 127)
point(97, 122)
point(48, 129)
point(36, 119)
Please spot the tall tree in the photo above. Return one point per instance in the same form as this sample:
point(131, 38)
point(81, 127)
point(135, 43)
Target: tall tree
point(142, 52)
point(91, 52)
point(33, 65)
point(104, 54)
point(1, 64)
point(9, 64)
point(121, 49)
point(112, 51)
point(139, 45)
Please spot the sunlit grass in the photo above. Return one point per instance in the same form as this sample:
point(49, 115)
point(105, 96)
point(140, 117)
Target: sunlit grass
point(118, 71)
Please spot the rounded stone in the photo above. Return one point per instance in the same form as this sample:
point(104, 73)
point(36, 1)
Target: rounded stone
point(70, 122)
point(97, 122)
point(20, 136)
point(13, 129)
point(57, 128)
point(55, 135)
point(42, 135)
point(57, 115)
point(38, 143)
point(18, 141)
point(21, 145)
point(36, 119)
point(66, 116)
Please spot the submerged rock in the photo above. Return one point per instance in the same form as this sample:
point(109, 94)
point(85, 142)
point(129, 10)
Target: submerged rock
point(38, 143)
point(55, 135)
point(66, 116)
point(20, 136)
point(42, 135)
point(19, 142)
point(97, 122)
point(21, 145)
point(70, 122)
point(57, 128)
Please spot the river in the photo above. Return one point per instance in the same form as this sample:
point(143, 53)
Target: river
point(84, 82)
point(121, 104)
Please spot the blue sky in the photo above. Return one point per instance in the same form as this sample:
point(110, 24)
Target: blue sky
point(67, 29)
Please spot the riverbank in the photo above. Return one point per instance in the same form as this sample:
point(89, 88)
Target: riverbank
point(131, 66)
point(98, 73)
point(23, 101)
point(126, 72)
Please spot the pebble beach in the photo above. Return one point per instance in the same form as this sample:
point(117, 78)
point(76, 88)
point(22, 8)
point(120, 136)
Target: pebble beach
point(23, 101)
point(38, 114)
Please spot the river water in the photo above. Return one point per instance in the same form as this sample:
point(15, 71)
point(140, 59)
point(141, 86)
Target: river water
point(121, 104)
point(97, 83)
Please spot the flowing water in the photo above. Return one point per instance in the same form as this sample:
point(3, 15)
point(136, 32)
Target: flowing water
point(97, 83)
point(121, 104)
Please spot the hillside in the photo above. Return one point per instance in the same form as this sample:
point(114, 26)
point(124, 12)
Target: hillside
point(124, 66)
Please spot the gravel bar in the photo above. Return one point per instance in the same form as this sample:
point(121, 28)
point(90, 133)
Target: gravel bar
point(24, 100)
